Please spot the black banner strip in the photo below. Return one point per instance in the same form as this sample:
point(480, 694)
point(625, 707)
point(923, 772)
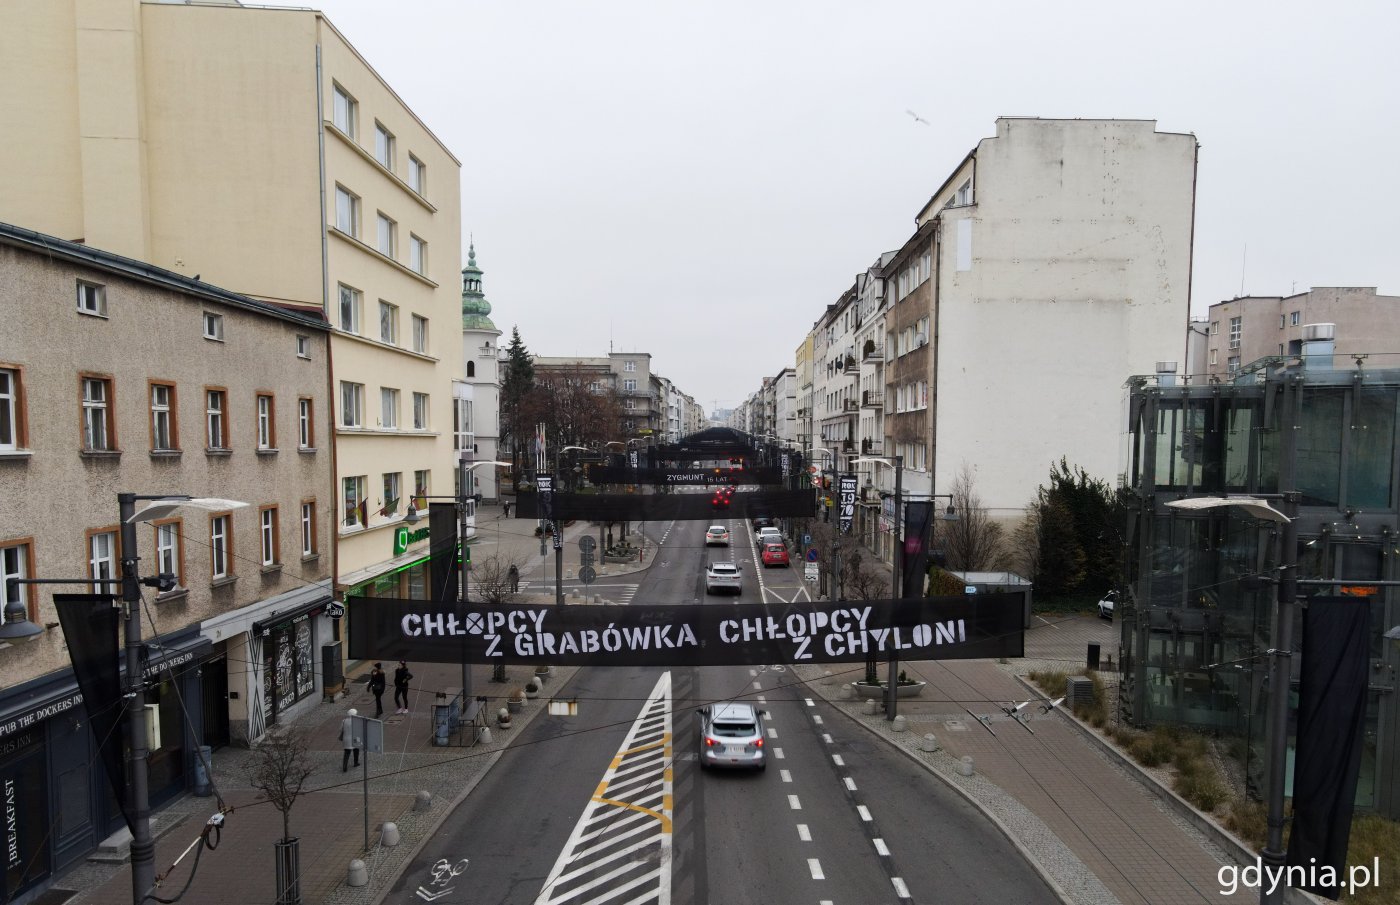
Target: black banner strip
point(687, 506)
point(684, 477)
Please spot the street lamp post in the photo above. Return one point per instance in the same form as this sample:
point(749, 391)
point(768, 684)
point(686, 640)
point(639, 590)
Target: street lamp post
point(892, 683)
point(559, 530)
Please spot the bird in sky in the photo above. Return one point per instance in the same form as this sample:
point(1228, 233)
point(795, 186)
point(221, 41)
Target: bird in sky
point(917, 117)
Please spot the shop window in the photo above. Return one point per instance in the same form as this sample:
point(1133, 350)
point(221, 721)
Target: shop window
point(1372, 459)
point(1319, 447)
point(289, 666)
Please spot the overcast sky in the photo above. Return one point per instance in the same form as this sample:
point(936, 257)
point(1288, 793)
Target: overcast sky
point(699, 180)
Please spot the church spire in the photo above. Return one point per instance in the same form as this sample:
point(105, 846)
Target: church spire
point(475, 308)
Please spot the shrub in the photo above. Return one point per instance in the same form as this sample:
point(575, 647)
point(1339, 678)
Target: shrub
point(1052, 682)
point(1249, 820)
point(1144, 752)
point(1202, 788)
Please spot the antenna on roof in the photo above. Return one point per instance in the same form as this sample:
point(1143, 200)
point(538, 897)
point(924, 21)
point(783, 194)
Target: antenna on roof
point(1244, 256)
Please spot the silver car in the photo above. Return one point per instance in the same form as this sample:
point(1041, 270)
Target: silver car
point(731, 735)
point(723, 576)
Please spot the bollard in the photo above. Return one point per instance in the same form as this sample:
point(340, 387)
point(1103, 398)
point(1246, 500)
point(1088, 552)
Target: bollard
point(847, 692)
point(965, 766)
point(928, 743)
point(483, 735)
point(423, 801)
point(357, 875)
point(869, 706)
point(389, 835)
point(826, 677)
point(568, 574)
point(898, 724)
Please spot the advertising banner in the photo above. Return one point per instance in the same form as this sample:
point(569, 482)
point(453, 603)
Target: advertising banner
point(847, 498)
point(935, 628)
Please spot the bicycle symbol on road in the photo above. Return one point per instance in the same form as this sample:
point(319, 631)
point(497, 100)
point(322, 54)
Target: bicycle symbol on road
point(442, 873)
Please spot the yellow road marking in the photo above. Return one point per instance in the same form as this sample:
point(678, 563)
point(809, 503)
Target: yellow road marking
point(665, 821)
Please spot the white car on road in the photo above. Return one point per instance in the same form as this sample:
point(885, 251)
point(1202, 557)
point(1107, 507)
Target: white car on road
point(723, 576)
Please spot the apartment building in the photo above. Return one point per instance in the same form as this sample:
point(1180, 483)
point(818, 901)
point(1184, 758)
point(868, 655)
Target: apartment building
point(120, 377)
point(629, 373)
point(1247, 329)
point(836, 371)
point(254, 148)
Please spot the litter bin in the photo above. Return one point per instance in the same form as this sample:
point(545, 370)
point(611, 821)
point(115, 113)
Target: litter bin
point(202, 787)
point(1093, 656)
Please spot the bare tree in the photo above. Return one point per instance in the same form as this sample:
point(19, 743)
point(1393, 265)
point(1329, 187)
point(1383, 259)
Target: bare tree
point(280, 768)
point(490, 577)
point(973, 540)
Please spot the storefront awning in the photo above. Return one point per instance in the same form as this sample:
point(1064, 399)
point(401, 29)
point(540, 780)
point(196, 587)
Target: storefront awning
point(263, 627)
point(165, 656)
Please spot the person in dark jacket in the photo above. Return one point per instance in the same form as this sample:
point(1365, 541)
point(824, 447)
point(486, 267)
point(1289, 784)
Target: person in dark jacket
point(513, 574)
point(401, 679)
point(376, 688)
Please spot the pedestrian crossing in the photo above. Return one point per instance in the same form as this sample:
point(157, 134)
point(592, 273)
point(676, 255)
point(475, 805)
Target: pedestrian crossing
point(620, 849)
point(617, 593)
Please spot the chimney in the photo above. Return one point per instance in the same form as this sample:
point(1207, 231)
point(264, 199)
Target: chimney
point(1319, 343)
point(1166, 373)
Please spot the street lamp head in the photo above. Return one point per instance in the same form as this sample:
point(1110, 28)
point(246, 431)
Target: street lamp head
point(17, 626)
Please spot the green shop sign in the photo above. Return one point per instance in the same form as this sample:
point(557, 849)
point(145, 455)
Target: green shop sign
point(403, 537)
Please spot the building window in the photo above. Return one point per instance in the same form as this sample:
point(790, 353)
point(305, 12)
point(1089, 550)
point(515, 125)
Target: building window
point(99, 428)
point(420, 411)
point(344, 111)
point(1212, 356)
point(384, 146)
point(303, 346)
point(163, 413)
point(420, 334)
point(102, 560)
point(417, 254)
point(391, 494)
point(308, 527)
point(353, 490)
point(352, 404)
point(1236, 329)
point(417, 175)
point(964, 195)
point(306, 427)
point(220, 546)
point(629, 366)
point(271, 538)
point(216, 431)
point(1295, 318)
point(14, 563)
point(629, 385)
point(11, 410)
point(347, 211)
point(1281, 321)
point(422, 484)
point(1232, 364)
point(388, 408)
point(350, 302)
point(1215, 328)
point(92, 298)
point(170, 554)
point(213, 326)
point(388, 323)
point(387, 236)
point(267, 422)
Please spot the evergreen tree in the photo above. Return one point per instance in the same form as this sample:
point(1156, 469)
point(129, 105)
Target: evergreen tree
point(517, 383)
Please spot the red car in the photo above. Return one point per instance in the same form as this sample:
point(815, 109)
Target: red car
point(775, 555)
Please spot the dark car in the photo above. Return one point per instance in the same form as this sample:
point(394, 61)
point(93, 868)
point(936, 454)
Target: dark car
point(763, 521)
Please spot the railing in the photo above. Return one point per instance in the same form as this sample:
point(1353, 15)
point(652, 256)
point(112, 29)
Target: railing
point(872, 399)
point(876, 447)
point(875, 351)
point(848, 405)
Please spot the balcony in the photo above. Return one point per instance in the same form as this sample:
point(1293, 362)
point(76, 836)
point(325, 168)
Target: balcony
point(873, 351)
point(869, 447)
point(872, 400)
point(848, 405)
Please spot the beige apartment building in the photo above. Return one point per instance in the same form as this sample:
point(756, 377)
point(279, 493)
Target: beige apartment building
point(254, 148)
point(1246, 329)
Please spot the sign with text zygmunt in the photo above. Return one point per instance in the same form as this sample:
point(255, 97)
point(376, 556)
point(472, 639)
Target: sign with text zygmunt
point(935, 628)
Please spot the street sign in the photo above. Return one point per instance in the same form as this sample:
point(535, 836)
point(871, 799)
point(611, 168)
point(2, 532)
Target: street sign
point(812, 554)
point(587, 544)
point(587, 575)
point(812, 572)
point(848, 502)
point(558, 537)
point(806, 540)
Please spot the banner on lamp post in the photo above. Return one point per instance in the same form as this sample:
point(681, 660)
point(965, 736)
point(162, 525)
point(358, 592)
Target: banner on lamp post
point(918, 525)
point(847, 497)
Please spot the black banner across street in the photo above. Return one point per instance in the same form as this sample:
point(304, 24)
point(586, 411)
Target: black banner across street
point(935, 628)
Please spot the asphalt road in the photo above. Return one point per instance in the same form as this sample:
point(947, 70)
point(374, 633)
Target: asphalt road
point(589, 809)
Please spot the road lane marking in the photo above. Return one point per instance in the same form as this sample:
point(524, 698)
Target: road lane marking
point(899, 888)
point(816, 719)
point(826, 737)
point(837, 760)
point(787, 777)
point(810, 702)
point(757, 687)
point(762, 699)
point(753, 674)
point(803, 833)
point(772, 733)
point(815, 867)
point(794, 803)
point(864, 813)
point(882, 848)
point(778, 753)
point(850, 784)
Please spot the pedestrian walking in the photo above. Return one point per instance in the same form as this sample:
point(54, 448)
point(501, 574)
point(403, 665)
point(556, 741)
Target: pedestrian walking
point(401, 679)
point(349, 741)
point(506, 507)
point(376, 688)
point(514, 575)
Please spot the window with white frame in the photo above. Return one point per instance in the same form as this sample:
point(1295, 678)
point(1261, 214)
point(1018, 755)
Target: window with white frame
point(10, 409)
point(417, 254)
point(267, 434)
point(308, 528)
point(269, 535)
point(303, 346)
point(347, 211)
point(417, 175)
point(629, 366)
point(386, 235)
point(92, 298)
point(213, 326)
point(344, 110)
point(98, 429)
point(219, 553)
point(388, 323)
point(1232, 364)
point(215, 409)
point(163, 417)
point(420, 334)
point(351, 300)
point(1212, 356)
point(388, 408)
point(168, 550)
point(1215, 328)
point(964, 195)
point(1295, 318)
point(1281, 321)
point(102, 560)
point(14, 563)
point(353, 499)
point(352, 404)
point(420, 411)
point(422, 486)
point(392, 492)
point(306, 427)
point(384, 146)
point(1236, 330)
point(629, 385)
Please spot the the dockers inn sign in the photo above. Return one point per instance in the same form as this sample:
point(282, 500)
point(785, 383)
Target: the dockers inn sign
point(935, 628)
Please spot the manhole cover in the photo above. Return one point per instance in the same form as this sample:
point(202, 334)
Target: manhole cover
point(954, 726)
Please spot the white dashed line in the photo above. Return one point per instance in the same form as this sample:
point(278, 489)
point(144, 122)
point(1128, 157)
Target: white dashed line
point(864, 813)
point(803, 833)
point(787, 777)
point(810, 702)
point(815, 867)
point(762, 699)
point(836, 759)
point(816, 719)
point(794, 803)
point(753, 674)
point(772, 733)
point(899, 888)
point(826, 902)
point(757, 686)
point(850, 784)
point(882, 848)
point(826, 737)
point(777, 753)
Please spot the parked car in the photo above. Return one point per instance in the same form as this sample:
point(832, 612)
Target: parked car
point(717, 536)
point(731, 735)
point(723, 576)
point(762, 521)
point(769, 536)
point(775, 555)
point(1106, 604)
